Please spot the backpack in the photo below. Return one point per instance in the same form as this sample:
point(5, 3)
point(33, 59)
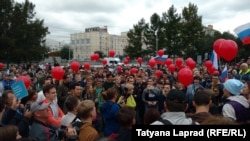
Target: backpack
point(167, 122)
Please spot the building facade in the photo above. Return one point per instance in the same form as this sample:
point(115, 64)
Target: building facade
point(96, 39)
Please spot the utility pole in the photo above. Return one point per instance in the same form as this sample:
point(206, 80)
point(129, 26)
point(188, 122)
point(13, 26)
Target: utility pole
point(156, 41)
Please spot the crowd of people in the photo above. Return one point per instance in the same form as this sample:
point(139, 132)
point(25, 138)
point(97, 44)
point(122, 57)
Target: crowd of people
point(97, 104)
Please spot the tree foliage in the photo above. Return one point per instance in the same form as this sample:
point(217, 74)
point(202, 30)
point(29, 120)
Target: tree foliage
point(135, 40)
point(22, 35)
point(66, 52)
point(180, 35)
point(101, 54)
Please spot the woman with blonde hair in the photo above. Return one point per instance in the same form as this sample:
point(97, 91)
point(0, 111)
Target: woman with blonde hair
point(90, 93)
point(128, 98)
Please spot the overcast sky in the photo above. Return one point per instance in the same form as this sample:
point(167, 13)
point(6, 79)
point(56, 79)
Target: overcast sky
point(64, 17)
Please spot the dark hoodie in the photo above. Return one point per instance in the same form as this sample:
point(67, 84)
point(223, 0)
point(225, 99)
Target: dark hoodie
point(109, 111)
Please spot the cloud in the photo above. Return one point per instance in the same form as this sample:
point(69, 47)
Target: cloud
point(64, 17)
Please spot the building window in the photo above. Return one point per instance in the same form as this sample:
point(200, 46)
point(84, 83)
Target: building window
point(87, 41)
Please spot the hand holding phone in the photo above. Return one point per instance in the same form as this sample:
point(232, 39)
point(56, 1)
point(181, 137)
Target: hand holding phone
point(27, 106)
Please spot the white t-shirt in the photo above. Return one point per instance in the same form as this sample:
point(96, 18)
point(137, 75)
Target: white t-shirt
point(41, 97)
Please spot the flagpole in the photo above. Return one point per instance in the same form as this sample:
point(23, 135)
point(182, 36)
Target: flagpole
point(219, 63)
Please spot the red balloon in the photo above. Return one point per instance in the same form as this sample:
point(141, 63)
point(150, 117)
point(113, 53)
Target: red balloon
point(86, 66)
point(171, 67)
point(208, 64)
point(57, 73)
point(211, 70)
point(119, 68)
point(216, 46)
point(75, 66)
point(133, 70)
point(92, 57)
point(191, 64)
point(188, 60)
point(96, 57)
point(158, 73)
point(139, 60)
point(152, 62)
point(216, 72)
point(128, 58)
point(185, 76)
point(181, 67)
point(111, 53)
point(228, 50)
point(1, 65)
point(161, 52)
point(26, 80)
point(245, 41)
point(104, 61)
point(125, 61)
point(169, 61)
point(178, 62)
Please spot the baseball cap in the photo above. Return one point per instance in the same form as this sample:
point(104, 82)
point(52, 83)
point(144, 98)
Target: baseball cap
point(38, 106)
point(176, 96)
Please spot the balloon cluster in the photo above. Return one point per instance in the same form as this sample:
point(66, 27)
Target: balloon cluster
point(94, 57)
point(226, 49)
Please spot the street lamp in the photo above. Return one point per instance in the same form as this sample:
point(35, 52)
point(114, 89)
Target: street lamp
point(156, 40)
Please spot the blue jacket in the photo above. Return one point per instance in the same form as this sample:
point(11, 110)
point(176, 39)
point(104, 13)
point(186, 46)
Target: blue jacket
point(7, 84)
point(12, 117)
point(42, 132)
point(109, 111)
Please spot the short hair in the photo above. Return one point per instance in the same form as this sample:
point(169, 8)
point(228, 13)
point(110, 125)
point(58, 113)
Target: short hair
point(197, 77)
point(111, 92)
point(244, 64)
point(129, 86)
point(126, 116)
point(8, 133)
point(5, 96)
point(108, 75)
point(46, 78)
point(31, 93)
point(47, 88)
point(84, 108)
point(176, 101)
point(151, 115)
point(219, 120)
point(202, 97)
point(73, 85)
point(71, 102)
point(65, 76)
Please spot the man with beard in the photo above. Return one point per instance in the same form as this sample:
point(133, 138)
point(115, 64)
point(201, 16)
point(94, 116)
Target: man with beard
point(63, 90)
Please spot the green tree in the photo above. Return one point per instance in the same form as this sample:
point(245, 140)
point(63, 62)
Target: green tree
point(66, 52)
point(172, 29)
point(152, 35)
point(192, 33)
point(22, 35)
point(135, 40)
point(101, 54)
